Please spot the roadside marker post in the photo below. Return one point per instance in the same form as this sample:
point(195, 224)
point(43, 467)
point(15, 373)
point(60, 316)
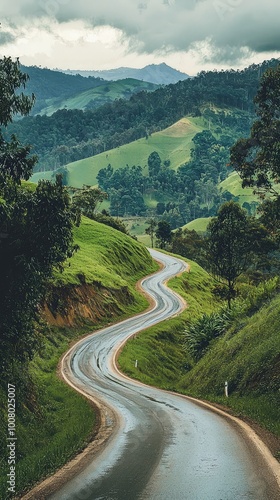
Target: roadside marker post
point(226, 389)
point(136, 363)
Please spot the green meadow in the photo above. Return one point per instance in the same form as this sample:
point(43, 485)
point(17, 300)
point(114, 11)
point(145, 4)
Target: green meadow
point(173, 143)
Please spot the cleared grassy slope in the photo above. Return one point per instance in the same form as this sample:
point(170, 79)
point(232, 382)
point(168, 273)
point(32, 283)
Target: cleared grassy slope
point(233, 184)
point(198, 225)
point(173, 143)
point(97, 96)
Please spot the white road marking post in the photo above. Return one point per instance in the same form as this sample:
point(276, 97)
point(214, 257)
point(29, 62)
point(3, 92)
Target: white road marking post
point(226, 389)
point(136, 363)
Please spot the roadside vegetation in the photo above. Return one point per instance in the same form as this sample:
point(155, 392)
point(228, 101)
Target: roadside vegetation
point(53, 422)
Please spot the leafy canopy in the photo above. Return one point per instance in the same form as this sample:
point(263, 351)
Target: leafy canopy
point(35, 229)
point(257, 158)
point(233, 243)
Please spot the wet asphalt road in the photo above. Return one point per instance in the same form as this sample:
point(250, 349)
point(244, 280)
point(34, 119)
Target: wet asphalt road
point(164, 447)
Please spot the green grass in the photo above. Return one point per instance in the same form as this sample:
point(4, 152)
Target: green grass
point(198, 225)
point(104, 93)
point(107, 256)
point(248, 357)
point(173, 143)
point(53, 422)
point(233, 184)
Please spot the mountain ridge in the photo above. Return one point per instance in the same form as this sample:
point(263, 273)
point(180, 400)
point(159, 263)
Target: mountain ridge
point(160, 74)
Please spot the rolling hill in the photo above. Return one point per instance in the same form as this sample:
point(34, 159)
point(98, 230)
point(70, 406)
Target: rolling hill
point(173, 143)
point(94, 97)
point(56, 90)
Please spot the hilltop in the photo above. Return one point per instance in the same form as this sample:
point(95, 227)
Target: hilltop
point(160, 74)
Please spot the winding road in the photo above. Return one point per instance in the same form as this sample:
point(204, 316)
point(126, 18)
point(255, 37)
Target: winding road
point(159, 445)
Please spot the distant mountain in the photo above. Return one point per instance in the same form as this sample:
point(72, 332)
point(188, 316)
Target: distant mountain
point(56, 90)
point(49, 85)
point(160, 74)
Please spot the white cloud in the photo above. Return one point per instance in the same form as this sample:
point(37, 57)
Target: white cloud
point(219, 32)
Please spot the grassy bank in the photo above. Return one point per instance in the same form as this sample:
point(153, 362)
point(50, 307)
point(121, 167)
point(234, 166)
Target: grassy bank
point(53, 422)
point(248, 357)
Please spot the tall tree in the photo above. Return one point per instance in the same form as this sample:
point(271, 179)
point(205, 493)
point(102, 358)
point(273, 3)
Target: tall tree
point(35, 229)
point(151, 229)
point(257, 158)
point(234, 240)
point(154, 164)
point(87, 199)
point(163, 233)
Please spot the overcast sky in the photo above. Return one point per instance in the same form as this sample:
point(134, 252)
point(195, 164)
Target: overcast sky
point(189, 35)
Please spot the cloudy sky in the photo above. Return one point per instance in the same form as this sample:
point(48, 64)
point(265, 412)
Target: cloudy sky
point(189, 35)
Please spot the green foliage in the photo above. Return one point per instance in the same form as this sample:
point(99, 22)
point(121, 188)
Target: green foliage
point(11, 80)
point(199, 334)
point(151, 229)
point(257, 158)
point(163, 233)
point(35, 229)
point(247, 356)
point(234, 240)
point(86, 200)
point(38, 239)
point(154, 164)
point(190, 244)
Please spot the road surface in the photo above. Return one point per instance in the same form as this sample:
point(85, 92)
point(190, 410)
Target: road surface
point(162, 445)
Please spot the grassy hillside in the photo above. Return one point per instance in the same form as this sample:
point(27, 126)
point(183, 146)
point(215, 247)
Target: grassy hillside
point(247, 356)
point(53, 422)
point(233, 184)
point(198, 225)
point(173, 143)
point(97, 96)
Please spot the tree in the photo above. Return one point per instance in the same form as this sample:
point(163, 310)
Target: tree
point(35, 230)
point(164, 233)
point(13, 102)
point(234, 240)
point(154, 164)
point(86, 200)
point(257, 158)
point(151, 229)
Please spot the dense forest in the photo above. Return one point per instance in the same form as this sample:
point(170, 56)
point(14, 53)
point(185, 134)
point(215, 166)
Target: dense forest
point(70, 135)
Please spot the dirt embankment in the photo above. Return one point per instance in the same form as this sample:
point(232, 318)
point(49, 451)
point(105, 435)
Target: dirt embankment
point(72, 305)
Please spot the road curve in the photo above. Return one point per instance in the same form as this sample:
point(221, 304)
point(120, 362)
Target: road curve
point(162, 446)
